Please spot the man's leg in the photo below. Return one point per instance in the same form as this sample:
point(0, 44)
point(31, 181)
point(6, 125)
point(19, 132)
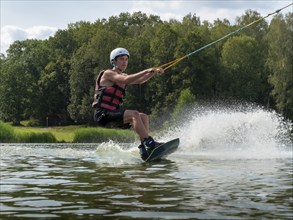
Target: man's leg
point(139, 122)
point(145, 121)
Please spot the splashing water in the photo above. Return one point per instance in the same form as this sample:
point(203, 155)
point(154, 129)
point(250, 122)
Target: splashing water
point(251, 132)
point(114, 153)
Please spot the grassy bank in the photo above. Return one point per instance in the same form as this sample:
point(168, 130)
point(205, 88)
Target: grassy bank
point(69, 134)
point(62, 134)
point(9, 134)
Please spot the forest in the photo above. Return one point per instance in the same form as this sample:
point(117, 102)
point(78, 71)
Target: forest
point(52, 81)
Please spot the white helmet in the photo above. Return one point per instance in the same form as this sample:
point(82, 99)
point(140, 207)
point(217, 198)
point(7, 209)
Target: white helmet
point(118, 52)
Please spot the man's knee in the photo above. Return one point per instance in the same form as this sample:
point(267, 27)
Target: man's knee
point(144, 116)
point(135, 114)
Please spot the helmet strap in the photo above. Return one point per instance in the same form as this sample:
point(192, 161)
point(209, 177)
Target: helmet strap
point(113, 63)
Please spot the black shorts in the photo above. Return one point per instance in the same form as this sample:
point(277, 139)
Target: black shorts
point(110, 119)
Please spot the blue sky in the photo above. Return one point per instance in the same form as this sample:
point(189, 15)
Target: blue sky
point(25, 19)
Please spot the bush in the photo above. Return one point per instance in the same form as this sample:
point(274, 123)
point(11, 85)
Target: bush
point(32, 137)
point(34, 123)
point(185, 100)
point(98, 135)
point(6, 133)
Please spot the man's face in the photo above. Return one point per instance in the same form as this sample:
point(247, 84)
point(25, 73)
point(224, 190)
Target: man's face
point(122, 62)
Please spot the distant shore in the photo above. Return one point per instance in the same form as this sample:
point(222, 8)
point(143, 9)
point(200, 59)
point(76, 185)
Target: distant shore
point(62, 134)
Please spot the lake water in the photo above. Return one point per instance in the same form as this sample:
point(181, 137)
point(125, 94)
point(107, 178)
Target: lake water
point(229, 165)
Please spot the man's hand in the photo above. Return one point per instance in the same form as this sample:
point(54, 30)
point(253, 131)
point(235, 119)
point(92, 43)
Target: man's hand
point(158, 71)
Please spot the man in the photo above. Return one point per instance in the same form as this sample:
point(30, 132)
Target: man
point(109, 91)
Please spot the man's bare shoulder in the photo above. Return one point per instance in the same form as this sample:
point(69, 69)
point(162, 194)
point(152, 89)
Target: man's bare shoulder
point(114, 75)
point(109, 71)
point(106, 78)
point(110, 76)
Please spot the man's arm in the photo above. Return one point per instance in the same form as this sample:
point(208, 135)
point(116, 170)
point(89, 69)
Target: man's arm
point(144, 78)
point(140, 77)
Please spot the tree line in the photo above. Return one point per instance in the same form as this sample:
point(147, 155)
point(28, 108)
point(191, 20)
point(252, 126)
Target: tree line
point(53, 80)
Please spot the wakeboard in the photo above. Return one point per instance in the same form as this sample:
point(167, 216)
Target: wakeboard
point(163, 150)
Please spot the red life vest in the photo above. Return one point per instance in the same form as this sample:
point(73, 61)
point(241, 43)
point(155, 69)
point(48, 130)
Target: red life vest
point(108, 97)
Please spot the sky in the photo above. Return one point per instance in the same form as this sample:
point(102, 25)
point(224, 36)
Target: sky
point(39, 19)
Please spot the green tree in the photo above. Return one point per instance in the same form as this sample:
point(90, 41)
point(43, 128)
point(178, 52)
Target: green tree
point(241, 60)
point(54, 78)
point(257, 30)
point(219, 29)
point(20, 92)
point(183, 104)
point(198, 71)
point(11, 92)
point(54, 88)
point(280, 62)
point(161, 93)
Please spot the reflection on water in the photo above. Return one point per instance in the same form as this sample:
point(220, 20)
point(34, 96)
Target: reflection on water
point(75, 182)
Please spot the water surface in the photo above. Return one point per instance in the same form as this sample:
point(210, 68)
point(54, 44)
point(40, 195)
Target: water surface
point(231, 165)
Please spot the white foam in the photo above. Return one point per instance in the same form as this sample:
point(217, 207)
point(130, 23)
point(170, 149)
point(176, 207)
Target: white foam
point(110, 153)
point(251, 132)
point(116, 153)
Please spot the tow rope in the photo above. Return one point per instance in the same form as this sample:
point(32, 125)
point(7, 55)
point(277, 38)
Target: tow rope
point(174, 62)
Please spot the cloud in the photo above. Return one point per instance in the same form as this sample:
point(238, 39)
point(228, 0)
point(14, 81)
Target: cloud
point(9, 34)
point(165, 9)
point(205, 10)
point(178, 9)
